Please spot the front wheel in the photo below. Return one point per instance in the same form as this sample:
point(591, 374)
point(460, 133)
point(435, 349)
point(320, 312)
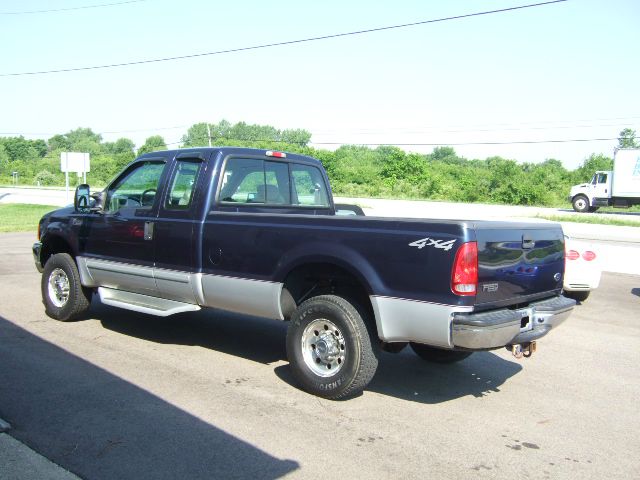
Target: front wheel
point(63, 295)
point(580, 203)
point(438, 355)
point(329, 348)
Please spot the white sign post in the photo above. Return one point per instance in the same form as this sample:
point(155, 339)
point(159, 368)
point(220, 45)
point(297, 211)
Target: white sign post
point(74, 162)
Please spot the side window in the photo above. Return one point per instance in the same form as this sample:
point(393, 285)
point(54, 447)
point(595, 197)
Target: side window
point(182, 184)
point(255, 181)
point(241, 179)
point(309, 187)
point(602, 178)
point(137, 189)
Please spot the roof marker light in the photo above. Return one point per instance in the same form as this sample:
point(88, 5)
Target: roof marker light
point(271, 153)
point(588, 255)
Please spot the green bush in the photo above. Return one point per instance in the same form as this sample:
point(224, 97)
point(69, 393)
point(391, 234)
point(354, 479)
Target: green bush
point(45, 178)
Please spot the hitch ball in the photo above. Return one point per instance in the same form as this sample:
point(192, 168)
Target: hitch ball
point(523, 350)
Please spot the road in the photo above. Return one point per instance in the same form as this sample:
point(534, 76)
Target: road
point(209, 395)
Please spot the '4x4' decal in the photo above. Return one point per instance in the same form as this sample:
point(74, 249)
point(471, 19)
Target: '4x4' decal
point(432, 242)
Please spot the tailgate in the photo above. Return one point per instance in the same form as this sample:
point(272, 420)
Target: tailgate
point(518, 262)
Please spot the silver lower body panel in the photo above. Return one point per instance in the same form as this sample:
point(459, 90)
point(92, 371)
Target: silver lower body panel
point(402, 320)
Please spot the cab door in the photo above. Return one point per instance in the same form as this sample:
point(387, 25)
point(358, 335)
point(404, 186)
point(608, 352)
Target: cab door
point(117, 244)
point(602, 187)
point(176, 231)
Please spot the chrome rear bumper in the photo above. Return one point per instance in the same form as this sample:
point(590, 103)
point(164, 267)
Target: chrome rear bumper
point(498, 328)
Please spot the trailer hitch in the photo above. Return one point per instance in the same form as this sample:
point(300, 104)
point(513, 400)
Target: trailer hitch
point(523, 350)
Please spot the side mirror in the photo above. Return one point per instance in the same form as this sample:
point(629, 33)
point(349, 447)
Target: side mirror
point(82, 199)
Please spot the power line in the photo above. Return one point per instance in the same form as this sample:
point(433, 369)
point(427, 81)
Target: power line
point(447, 144)
point(407, 144)
point(55, 10)
point(426, 130)
point(279, 44)
point(430, 130)
point(100, 133)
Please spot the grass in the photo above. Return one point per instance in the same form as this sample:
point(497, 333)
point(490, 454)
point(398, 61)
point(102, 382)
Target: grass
point(18, 217)
point(596, 220)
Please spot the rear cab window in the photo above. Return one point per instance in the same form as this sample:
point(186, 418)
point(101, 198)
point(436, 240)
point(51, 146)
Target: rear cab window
point(181, 187)
point(258, 182)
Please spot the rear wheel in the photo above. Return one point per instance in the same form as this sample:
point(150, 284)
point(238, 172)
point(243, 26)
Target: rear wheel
point(329, 348)
point(580, 203)
point(63, 295)
point(438, 355)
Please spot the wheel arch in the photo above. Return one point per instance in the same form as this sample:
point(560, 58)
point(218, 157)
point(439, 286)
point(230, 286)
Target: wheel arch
point(313, 275)
point(52, 244)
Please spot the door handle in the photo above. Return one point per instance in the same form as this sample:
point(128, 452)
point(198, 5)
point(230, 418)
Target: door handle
point(148, 230)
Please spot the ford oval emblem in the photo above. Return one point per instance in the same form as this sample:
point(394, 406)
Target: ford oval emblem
point(557, 277)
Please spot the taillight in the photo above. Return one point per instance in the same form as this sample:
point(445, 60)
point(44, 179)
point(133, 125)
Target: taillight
point(571, 255)
point(464, 280)
point(589, 255)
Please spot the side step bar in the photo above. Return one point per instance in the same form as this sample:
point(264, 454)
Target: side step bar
point(143, 303)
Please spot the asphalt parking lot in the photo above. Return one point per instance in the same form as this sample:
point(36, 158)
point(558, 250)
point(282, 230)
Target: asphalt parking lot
point(209, 395)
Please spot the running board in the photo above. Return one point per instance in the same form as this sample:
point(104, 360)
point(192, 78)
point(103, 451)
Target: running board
point(143, 303)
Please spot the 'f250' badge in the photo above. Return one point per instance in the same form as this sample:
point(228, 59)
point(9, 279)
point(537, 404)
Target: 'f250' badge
point(432, 242)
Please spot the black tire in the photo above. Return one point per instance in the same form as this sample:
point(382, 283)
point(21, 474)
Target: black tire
point(328, 333)
point(438, 355)
point(579, 296)
point(63, 295)
point(580, 203)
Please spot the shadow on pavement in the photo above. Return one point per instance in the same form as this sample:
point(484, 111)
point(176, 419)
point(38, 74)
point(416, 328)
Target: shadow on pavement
point(407, 377)
point(402, 375)
point(258, 339)
point(100, 426)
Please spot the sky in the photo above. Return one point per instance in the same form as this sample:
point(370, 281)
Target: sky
point(565, 71)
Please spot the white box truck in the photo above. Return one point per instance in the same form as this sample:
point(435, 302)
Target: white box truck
point(617, 188)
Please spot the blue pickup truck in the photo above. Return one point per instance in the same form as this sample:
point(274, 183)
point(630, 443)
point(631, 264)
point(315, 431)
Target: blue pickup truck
point(257, 232)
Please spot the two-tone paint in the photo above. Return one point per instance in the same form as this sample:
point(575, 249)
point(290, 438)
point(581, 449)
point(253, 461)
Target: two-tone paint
point(239, 257)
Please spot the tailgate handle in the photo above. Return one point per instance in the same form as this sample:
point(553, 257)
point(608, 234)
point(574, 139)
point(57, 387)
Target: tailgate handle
point(527, 242)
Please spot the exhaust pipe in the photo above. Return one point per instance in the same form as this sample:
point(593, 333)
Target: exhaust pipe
point(523, 350)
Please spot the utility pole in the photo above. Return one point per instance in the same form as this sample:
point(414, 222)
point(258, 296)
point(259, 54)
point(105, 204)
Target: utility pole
point(209, 132)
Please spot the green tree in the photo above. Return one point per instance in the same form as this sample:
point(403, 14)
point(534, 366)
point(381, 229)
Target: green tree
point(627, 139)
point(196, 136)
point(590, 165)
point(19, 148)
point(297, 136)
point(152, 144)
point(59, 142)
point(440, 153)
point(120, 146)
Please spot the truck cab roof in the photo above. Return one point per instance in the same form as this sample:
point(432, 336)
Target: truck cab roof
point(213, 152)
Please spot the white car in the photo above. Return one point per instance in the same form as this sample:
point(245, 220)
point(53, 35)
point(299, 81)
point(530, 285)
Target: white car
point(582, 269)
